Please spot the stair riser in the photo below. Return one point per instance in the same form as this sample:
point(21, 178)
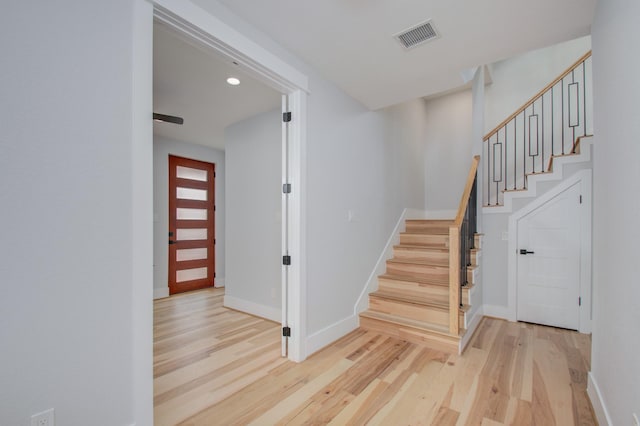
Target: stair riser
point(466, 297)
point(423, 337)
point(439, 274)
point(427, 229)
point(409, 310)
point(433, 257)
point(418, 291)
point(438, 241)
point(475, 257)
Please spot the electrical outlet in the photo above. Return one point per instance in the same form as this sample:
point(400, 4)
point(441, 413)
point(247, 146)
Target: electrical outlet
point(44, 418)
point(635, 420)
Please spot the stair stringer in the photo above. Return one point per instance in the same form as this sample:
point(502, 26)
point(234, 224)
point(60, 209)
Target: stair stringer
point(557, 174)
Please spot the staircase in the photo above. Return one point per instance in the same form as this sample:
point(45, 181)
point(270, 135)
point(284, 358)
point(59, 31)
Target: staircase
point(412, 300)
point(425, 292)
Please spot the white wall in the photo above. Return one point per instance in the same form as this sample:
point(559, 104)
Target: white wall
point(518, 79)
point(253, 149)
point(403, 167)
point(616, 341)
point(346, 152)
point(66, 206)
point(448, 149)
point(162, 148)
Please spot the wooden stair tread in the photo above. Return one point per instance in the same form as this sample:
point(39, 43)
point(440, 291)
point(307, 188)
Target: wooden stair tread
point(444, 305)
point(430, 221)
point(421, 325)
point(416, 262)
point(421, 248)
point(419, 280)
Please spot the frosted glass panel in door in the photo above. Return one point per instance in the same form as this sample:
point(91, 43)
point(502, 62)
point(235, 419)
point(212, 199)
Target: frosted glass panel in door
point(191, 254)
point(189, 173)
point(191, 234)
point(191, 194)
point(191, 214)
point(191, 274)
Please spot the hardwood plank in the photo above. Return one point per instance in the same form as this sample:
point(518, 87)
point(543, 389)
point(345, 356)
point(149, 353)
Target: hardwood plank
point(218, 366)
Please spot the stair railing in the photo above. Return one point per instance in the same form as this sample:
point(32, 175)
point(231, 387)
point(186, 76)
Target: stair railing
point(461, 240)
point(547, 125)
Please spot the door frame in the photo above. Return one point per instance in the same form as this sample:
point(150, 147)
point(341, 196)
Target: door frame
point(196, 22)
point(583, 177)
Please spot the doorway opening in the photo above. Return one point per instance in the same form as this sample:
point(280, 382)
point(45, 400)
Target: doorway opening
point(207, 37)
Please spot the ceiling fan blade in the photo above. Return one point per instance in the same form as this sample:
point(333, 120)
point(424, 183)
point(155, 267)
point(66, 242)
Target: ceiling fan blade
point(168, 118)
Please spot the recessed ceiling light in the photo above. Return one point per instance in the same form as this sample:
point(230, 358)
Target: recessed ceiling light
point(233, 81)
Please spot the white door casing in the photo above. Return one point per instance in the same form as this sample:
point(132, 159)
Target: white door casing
point(549, 262)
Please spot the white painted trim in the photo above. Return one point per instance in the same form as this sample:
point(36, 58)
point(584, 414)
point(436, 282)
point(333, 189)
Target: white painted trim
point(557, 174)
point(252, 308)
point(583, 178)
point(330, 334)
point(160, 293)
point(196, 23)
point(471, 328)
point(141, 157)
point(296, 227)
point(220, 282)
point(201, 25)
point(496, 311)
point(597, 402)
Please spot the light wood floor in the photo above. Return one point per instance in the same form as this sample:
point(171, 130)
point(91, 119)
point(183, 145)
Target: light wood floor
point(214, 366)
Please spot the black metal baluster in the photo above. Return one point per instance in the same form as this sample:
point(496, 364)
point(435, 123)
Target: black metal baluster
point(506, 176)
point(524, 150)
point(515, 148)
point(543, 162)
point(552, 128)
point(584, 97)
point(573, 128)
point(562, 91)
point(488, 171)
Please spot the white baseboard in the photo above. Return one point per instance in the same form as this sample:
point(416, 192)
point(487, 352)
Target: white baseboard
point(219, 282)
point(160, 293)
point(252, 308)
point(497, 312)
point(471, 328)
point(597, 402)
point(330, 334)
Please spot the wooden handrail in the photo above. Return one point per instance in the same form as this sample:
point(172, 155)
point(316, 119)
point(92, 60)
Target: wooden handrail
point(454, 251)
point(462, 207)
point(536, 96)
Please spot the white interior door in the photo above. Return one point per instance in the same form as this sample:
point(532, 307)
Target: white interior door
point(548, 288)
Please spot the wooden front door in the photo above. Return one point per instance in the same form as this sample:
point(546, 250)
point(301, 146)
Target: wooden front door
point(191, 224)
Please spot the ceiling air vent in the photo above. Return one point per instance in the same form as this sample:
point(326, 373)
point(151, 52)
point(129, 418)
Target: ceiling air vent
point(417, 35)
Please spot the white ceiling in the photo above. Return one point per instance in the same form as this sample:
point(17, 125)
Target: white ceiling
point(190, 82)
point(351, 41)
